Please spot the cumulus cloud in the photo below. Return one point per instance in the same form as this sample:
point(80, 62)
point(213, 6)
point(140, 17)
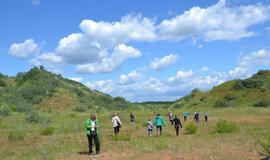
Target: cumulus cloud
point(159, 64)
point(112, 63)
point(132, 77)
point(25, 49)
point(217, 22)
point(77, 79)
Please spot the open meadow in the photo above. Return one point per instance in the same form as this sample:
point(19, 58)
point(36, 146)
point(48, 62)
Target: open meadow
point(61, 135)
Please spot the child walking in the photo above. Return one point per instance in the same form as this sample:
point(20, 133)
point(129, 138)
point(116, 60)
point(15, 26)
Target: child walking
point(177, 124)
point(150, 127)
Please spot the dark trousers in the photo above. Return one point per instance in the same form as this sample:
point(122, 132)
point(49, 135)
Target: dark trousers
point(160, 129)
point(206, 118)
point(116, 130)
point(171, 121)
point(90, 142)
point(177, 130)
point(185, 118)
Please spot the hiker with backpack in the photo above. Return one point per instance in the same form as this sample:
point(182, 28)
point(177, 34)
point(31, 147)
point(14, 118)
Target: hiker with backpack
point(132, 118)
point(205, 116)
point(149, 127)
point(196, 117)
point(171, 117)
point(159, 122)
point(185, 116)
point(177, 124)
point(91, 126)
point(116, 123)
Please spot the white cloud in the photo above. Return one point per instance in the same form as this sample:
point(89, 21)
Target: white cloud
point(129, 28)
point(132, 77)
point(35, 62)
point(217, 22)
point(261, 57)
point(25, 49)
point(112, 63)
point(35, 2)
point(159, 64)
point(77, 79)
point(50, 58)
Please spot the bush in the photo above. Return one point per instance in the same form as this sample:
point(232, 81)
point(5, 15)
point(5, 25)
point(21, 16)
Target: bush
point(4, 111)
point(13, 108)
point(262, 103)
point(33, 117)
point(47, 131)
point(2, 83)
point(178, 105)
point(230, 97)
point(16, 136)
point(191, 128)
point(224, 126)
point(73, 115)
point(265, 143)
point(80, 109)
point(222, 103)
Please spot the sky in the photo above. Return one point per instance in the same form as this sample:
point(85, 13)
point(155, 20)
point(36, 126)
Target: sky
point(140, 50)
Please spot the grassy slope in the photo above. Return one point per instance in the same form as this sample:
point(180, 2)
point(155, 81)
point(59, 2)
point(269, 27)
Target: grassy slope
point(245, 96)
point(45, 91)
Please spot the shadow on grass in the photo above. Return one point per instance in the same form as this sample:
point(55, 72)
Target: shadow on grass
point(83, 153)
point(266, 158)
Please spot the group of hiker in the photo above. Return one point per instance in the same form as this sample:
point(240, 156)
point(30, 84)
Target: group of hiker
point(92, 126)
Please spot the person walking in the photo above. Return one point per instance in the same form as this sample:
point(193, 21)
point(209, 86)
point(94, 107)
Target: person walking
point(116, 123)
point(91, 126)
point(132, 118)
point(205, 116)
point(185, 116)
point(177, 124)
point(196, 117)
point(159, 122)
point(171, 117)
point(150, 127)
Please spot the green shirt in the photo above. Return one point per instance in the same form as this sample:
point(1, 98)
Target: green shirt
point(88, 126)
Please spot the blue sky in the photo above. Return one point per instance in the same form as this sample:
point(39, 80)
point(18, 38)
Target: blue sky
point(141, 50)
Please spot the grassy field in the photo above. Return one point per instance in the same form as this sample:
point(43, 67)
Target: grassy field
point(68, 141)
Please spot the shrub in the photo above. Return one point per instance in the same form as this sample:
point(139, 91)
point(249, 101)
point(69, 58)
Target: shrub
point(4, 111)
point(80, 109)
point(230, 97)
point(16, 136)
point(224, 126)
point(47, 131)
point(262, 103)
point(222, 103)
point(13, 108)
point(33, 117)
point(191, 128)
point(2, 83)
point(73, 115)
point(265, 143)
point(178, 105)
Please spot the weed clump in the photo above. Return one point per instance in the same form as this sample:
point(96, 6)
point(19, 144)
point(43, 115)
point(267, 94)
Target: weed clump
point(47, 131)
point(4, 111)
point(121, 137)
point(191, 128)
point(16, 136)
point(224, 126)
point(262, 103)
point(265, 143)
point(80, 109)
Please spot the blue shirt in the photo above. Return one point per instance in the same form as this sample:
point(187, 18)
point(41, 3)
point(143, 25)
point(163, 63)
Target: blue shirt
point(185, 114)
point(205, 114)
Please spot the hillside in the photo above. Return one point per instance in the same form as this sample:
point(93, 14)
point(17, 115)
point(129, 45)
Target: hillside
point(253, 91)
point(42, 90)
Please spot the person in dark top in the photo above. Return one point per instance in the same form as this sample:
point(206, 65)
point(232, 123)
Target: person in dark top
point(177, 124)
point(132, 118)
point(196, 117)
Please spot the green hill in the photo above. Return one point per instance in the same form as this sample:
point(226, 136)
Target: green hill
point(253, 91)
point(42, 90)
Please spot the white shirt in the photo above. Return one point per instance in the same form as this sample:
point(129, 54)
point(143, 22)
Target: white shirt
point(115, 120)
point(93, 125)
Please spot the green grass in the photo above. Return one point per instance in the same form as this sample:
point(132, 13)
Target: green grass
point(69, 136)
